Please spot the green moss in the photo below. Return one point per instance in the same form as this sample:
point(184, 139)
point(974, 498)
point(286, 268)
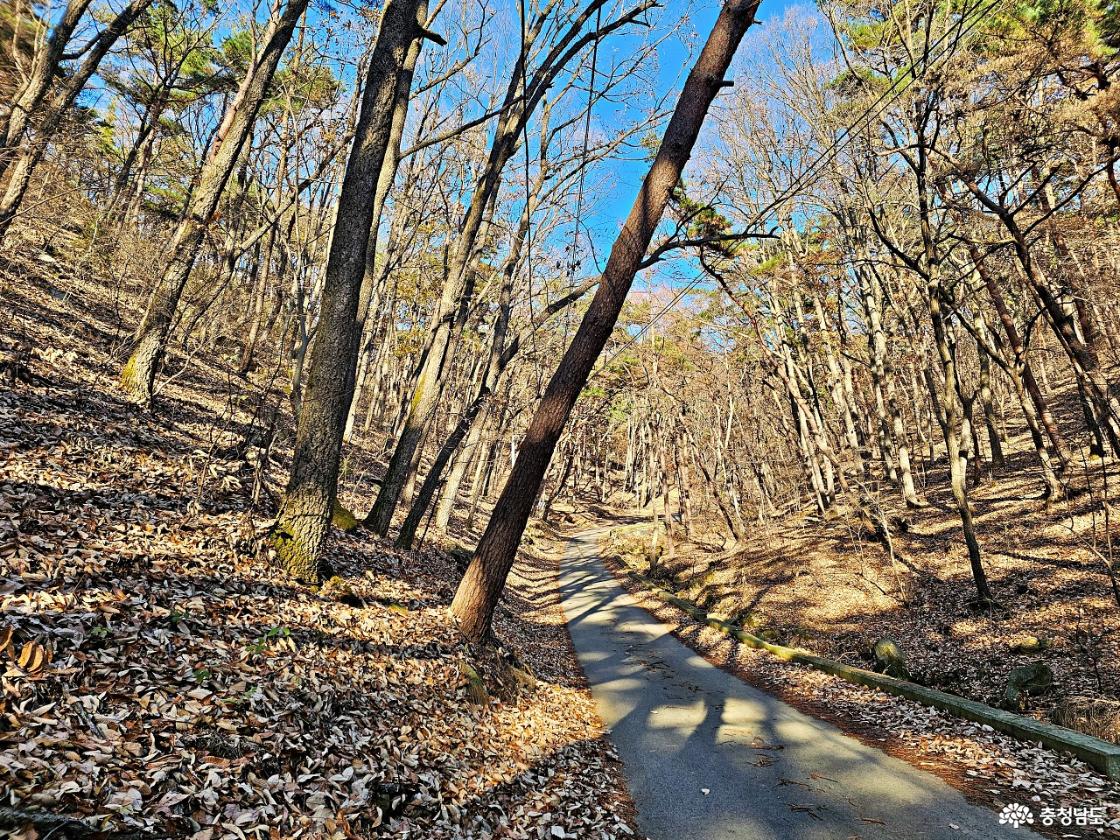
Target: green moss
point(1029, 644)
point(342, 518)
point(294, 555)
point(476, 688)
point(338, 589)
point(128, 376)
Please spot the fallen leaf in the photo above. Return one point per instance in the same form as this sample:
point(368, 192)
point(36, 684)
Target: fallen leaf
point(32, 658)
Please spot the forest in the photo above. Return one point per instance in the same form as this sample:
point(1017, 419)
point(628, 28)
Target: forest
point(397, 397)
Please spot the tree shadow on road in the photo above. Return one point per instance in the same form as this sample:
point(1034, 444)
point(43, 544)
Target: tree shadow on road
point(708, 756)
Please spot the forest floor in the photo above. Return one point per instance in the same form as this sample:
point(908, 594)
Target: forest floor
point(160, 678)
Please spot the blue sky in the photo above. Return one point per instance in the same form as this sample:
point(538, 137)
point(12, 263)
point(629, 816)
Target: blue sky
point(674, 63)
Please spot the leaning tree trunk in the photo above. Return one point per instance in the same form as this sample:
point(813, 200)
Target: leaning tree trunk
point(988, 345)
point(435, 474)
point(499, 358)
point(374, 279)
point(482, 585)
point(150, 340)
point(446, 330)
point(128, 186)
point(1019, 360)
point(1102, 414)
point(488, 380)
point(305, 514)
point(467, 456)
point(523, 94)
point(893, 446)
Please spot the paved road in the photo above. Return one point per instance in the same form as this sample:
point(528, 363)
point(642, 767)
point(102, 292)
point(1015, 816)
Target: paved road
point(683, 726)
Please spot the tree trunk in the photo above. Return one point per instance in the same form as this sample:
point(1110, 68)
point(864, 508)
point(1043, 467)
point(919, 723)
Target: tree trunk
point(1019, 359)
point(150, 340)
point(19, 176)
point(984, 394)
point(562, 480)
point(482, 585)
point(953, 425)
point(988, 345)
point(522, 96)
point(372, 279)
point(893, 446)
point(470, 453)
point(304, 517)
point(44, 69)
point(1101, 410)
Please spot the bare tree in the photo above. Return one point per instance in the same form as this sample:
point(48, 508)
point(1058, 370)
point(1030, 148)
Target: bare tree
point(49, 111)
point(151, 335)
point(484, 580)
point(523, 95)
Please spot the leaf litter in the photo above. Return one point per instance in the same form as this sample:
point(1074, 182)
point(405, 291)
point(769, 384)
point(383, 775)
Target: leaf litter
point(160, 678)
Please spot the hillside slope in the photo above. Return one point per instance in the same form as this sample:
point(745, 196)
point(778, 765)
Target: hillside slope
point(165, 680)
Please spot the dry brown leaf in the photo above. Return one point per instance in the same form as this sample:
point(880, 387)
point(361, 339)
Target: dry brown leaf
point(33, 658)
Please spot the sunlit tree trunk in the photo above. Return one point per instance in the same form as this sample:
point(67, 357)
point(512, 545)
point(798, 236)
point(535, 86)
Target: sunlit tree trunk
point(53, 109)
point(45, 68)
point(523, 95)
point(151, 335)
point(304, 516)
point(482, 584)
point(893, 446)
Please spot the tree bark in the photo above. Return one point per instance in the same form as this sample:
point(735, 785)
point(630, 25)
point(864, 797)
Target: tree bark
point(484, 580)
point(373, 280)
point(304, 517)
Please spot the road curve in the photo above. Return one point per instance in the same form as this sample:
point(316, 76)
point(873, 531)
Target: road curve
point(708, 756)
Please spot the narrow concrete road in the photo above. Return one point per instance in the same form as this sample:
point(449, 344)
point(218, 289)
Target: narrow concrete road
point(708, 756)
